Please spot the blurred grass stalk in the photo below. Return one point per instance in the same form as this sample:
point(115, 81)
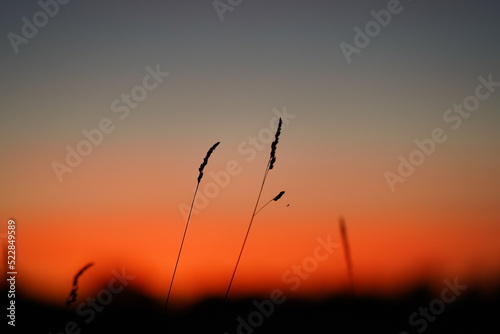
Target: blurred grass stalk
point(347, 253)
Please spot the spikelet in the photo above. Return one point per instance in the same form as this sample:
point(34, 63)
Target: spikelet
point(274, 199)
point(278, 196)
point(205, 160)
point(73, 295)
point(274, 144)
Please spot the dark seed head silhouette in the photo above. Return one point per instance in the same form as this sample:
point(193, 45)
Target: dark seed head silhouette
point(278, 196)
point(73, 295)
point(274, 145)
point(205, 161)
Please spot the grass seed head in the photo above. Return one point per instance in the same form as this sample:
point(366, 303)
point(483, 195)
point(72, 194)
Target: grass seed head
point(278, 196)
point(73, 294)
point(274, 145)
point(205, 160)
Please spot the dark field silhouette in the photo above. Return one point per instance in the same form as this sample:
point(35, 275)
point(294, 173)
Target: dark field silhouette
point(131, 312)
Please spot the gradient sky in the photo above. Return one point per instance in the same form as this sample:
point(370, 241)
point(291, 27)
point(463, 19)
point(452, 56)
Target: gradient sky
point(227, 81)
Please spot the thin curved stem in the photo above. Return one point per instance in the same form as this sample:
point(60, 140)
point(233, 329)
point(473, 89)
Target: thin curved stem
point(182, 244)
point(248, 231)
point(263, 207)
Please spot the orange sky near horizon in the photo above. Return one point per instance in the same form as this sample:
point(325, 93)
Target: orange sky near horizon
point(386, 262)
point(120, 221)
point(393, 246)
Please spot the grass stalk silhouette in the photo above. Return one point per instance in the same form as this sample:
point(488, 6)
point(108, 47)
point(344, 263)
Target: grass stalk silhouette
point(200, 176)
point(276, 198)
point(73, 294)
point(270, 165)
point(347, 253)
